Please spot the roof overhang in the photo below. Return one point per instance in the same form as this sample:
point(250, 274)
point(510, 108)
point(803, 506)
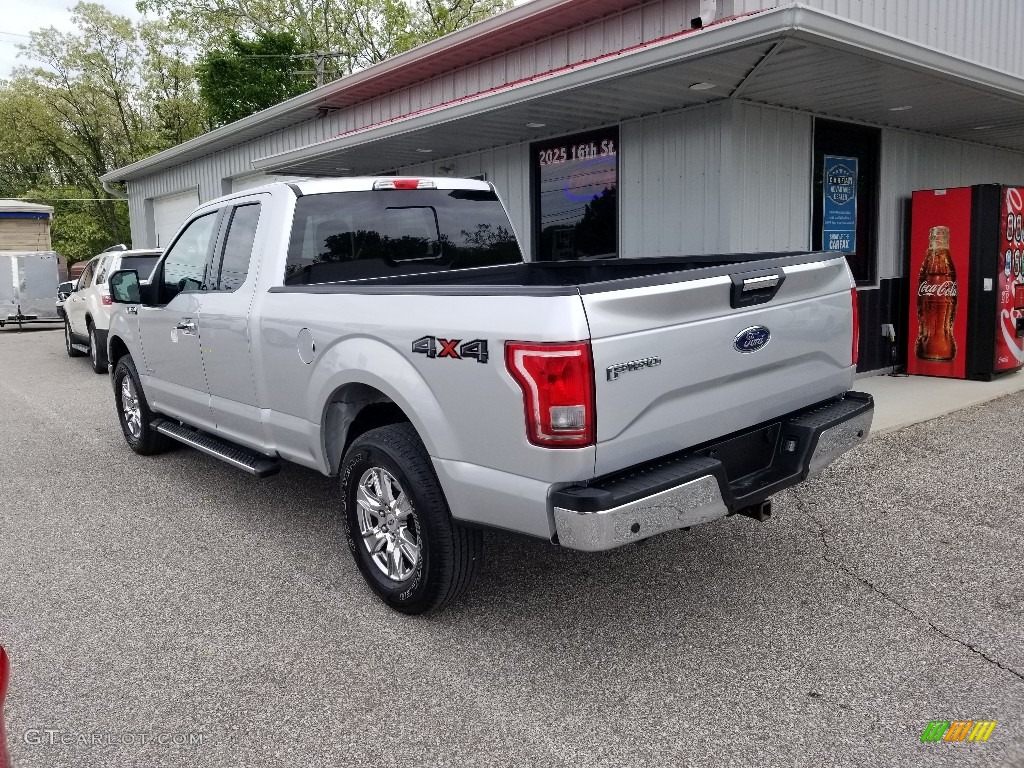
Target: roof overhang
point(504, 31)
point(793, 57)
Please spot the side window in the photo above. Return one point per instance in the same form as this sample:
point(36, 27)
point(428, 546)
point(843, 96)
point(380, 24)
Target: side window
point(85, 279)
point(234, 265)
point(185, 263)
point(101, 270)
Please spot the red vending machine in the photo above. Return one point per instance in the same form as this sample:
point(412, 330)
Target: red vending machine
point(966, 281)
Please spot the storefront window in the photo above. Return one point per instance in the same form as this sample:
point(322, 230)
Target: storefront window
point(575, 189)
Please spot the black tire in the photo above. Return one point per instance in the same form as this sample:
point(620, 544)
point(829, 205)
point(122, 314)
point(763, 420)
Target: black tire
point(97, 354)
point(449, 554)
point(148, 441)
point(72, 352)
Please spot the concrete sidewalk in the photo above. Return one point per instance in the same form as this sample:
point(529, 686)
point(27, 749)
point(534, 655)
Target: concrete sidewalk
point(903, 400)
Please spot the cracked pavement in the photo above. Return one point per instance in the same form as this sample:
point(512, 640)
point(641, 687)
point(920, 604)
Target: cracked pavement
point(175, 595)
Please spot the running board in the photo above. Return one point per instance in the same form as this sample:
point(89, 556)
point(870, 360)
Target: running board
point(241, 458)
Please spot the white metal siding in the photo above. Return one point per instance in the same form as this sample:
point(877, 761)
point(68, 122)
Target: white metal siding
point(767, 193)
point(911, 161)
point(670, 185)
point(169, 212)
point(985, 31)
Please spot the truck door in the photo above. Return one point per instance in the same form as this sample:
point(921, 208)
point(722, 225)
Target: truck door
point(174, 379)
point(224, 323)
point(75, 306)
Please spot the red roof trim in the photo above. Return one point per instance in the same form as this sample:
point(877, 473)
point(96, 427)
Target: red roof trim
point(533, 78)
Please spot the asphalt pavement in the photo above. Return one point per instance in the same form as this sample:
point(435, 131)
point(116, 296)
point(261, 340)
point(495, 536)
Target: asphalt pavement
point(171, 611)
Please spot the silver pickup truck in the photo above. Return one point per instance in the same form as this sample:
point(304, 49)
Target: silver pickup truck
point(388, 332)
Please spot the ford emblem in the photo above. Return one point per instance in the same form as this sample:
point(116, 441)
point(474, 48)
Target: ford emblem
point(751, 339)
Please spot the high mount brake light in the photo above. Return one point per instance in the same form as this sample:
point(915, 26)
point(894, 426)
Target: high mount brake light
point(558, 391)
point(404, 184)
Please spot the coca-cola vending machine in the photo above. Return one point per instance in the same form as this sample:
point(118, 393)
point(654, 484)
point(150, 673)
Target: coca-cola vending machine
point(967, 282)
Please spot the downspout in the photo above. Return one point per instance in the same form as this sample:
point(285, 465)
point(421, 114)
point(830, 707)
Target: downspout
point(709, 11)
point(115, 192)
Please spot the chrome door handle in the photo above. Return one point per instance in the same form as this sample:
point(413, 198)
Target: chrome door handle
point(189, 327)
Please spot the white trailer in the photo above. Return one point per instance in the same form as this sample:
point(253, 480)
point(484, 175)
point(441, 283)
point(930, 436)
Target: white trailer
point(28, 287)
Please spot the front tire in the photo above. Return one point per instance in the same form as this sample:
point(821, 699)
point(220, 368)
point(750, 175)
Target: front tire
point(133, 411)
point(398, 526)
point(97, 354)
point(72, 352)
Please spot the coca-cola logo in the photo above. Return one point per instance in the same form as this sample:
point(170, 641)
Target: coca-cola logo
point(947, 288)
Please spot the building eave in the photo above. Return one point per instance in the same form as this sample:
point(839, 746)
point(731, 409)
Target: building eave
point(481, 40)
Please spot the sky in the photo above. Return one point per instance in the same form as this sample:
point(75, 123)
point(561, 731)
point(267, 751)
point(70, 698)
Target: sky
point(20, 17)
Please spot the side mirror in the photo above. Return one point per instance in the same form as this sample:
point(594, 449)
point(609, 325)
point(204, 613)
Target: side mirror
point(124, 287)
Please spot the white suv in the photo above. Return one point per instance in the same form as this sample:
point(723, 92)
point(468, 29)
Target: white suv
point(87, 309)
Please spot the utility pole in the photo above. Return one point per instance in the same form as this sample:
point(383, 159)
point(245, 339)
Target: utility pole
point(320, 62)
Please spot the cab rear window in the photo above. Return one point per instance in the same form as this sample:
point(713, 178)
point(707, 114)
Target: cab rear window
point(357, 235)
point(141, 264)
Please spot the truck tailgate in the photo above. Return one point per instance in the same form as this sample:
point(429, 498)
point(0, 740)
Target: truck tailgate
point(668, 372)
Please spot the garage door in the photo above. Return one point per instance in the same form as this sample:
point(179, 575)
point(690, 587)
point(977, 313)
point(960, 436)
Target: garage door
point(170, 212)
point(242, 183)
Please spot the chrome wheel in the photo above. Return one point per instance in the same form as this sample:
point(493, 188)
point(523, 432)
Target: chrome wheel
point(130, 408)
point(387, 524)
point(67, 335)
point(92, 346)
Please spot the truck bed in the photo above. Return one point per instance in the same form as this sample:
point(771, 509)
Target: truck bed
point(546, 278)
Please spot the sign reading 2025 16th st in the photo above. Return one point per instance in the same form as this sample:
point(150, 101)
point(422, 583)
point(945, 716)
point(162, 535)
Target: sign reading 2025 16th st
point(839, 220)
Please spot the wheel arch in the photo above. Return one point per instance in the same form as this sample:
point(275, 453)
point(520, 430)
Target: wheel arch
point(116, 349)
point(364, 384)
point(353, 410)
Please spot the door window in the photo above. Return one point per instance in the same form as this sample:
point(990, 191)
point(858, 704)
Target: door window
point(85, 279)
point(234, 264)
point(575, 188)
point(845, 194)
point(185, 264)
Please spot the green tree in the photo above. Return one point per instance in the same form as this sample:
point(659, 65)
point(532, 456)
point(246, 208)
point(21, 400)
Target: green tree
point(93, 100)
point(356, 33)
point(250, 75)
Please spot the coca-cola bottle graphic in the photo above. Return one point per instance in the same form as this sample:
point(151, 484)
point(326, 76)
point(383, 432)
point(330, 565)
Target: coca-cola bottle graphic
point(936, 300)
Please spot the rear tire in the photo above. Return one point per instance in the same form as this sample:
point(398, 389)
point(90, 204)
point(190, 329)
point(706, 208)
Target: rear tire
point(398, 526)
point(72, 352)
point(133, 411)
point(97, 355)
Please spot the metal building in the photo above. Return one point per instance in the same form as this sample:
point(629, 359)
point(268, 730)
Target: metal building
point(619, 128)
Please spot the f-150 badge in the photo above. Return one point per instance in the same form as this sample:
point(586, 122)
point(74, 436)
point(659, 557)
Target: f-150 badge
point(751, 339)
point(432, 347)
point(613, 371)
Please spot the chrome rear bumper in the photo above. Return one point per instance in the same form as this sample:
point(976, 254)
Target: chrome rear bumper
point(697, 486)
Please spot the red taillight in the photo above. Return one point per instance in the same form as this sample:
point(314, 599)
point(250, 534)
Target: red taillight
point(105, 298)
point(558, 391)
point(856, 326)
